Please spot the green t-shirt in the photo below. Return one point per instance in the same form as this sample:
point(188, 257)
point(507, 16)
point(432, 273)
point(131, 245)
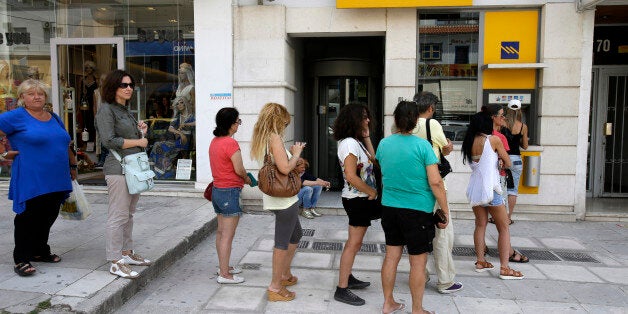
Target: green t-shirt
point(403, 159)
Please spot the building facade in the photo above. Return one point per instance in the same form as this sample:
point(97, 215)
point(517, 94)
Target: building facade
point(566, 61)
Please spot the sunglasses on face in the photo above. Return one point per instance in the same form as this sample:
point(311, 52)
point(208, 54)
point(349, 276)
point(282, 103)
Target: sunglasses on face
point(125, 85)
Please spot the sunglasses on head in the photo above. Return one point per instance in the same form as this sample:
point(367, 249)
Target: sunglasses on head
point(125, 85)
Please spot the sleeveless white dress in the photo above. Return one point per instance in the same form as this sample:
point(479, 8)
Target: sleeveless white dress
point(484, 177)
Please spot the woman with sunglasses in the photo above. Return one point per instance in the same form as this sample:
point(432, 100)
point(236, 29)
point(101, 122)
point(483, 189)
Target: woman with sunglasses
point(225, 160)
point(119, 131)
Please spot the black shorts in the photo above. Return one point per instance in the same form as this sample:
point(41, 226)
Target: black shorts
point(409, 227)
point(361, 210)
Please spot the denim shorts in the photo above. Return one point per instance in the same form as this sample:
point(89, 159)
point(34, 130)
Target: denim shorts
point(226, 201)
point(497, 200)
point(516, 169)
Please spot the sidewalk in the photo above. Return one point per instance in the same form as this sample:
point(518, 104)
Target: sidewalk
point(575, 267)
point(579, 267)
point(165, 229)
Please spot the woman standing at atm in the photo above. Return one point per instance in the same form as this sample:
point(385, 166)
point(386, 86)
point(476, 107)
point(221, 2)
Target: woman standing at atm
point(517, 138)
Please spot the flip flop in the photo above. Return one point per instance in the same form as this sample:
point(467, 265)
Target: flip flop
point(491, 220)
point(400, 308)
point(50, 258)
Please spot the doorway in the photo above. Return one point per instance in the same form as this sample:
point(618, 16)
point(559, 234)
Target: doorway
point(77, 65)
point(608, 150)
point(335, 93)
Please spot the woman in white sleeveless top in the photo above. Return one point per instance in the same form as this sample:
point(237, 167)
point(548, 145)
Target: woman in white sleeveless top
point(481, 151)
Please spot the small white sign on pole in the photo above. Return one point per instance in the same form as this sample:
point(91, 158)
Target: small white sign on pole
point(184, 169)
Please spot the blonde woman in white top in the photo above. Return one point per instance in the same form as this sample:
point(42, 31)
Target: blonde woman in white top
point(268, 136)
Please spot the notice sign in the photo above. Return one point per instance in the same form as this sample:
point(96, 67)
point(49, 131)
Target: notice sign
point(184, 169)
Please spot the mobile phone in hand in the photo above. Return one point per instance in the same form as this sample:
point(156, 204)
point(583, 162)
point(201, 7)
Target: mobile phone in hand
point(253, 181)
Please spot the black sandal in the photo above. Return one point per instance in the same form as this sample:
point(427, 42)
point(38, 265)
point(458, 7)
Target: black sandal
point(22, 269)
point(50, 258)
point(522, 258)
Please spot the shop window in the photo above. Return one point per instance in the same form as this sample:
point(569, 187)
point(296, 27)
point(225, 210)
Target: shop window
point(159, 54)
point(448, 66)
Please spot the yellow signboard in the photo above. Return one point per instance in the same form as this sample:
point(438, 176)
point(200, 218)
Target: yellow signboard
point(510, 37)
point(361, 4)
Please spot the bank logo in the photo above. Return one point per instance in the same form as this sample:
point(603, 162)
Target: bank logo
point(510, 49)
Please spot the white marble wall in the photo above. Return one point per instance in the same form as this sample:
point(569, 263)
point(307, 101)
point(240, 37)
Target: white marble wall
point(264, 71)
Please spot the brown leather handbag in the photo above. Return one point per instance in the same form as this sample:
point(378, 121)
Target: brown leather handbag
point(274, 183)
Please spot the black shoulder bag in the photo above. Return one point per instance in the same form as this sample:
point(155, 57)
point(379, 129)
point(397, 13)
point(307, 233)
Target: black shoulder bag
point(443, 167)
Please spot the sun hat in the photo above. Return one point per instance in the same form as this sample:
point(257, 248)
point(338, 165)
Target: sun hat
point(514, 104)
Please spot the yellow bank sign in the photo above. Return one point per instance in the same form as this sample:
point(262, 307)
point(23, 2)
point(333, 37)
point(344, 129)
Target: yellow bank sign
point(359, 4)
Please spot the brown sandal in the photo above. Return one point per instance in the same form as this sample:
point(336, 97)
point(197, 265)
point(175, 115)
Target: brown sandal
point(507, 273)
point(290, 281)
point(282, 295)
point(484, 266)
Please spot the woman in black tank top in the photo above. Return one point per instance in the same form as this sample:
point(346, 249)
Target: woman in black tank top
point(517, 136)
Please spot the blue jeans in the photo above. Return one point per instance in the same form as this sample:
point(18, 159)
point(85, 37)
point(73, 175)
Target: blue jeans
point(308, 195)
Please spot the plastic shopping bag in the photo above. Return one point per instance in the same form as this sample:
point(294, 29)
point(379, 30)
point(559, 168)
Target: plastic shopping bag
point(76, 206)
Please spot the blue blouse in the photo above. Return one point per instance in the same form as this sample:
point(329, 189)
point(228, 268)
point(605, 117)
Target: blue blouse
point(42, 165)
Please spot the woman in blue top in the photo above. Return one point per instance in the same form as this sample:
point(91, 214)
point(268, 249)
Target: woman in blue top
point(38, 185)
point(411, 184)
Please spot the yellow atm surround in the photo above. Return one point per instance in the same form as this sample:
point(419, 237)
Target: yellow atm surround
point(527, 189)
point(520, 27)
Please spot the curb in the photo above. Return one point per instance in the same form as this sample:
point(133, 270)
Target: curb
point(125, 288)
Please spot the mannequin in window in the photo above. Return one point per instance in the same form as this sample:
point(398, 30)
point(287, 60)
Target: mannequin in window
point(186, 83)
point(101, 151)
point(89, 85)
point(164, 154)
point(7, 90)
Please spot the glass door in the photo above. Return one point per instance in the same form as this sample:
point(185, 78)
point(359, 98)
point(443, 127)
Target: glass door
point(335, 93)
point(78, 65)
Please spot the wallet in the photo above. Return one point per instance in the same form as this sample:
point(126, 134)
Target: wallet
point(253, 181)
point(439, 217)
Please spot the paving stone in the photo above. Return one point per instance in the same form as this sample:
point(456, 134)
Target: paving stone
point(238, 298)
point(306, 301)
point(538, 290)
point(520, 242)
point(617, 275)
point(88, 285)
point(312, 260)
point(258, 257)
point(550, 307)
point(568, 273)
point(486, 305)
point(363, 262)
point(594, 293)
point(562, 244)
point(265, 245)
point(46, 280)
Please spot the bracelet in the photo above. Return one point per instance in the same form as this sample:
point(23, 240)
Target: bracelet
point(74, 167)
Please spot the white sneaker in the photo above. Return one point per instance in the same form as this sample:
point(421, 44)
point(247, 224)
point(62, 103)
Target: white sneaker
point(236, 279)
point(315, 213)
point(135, 259)
point(123, 270)
point(307, 214)
point(232, 270)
